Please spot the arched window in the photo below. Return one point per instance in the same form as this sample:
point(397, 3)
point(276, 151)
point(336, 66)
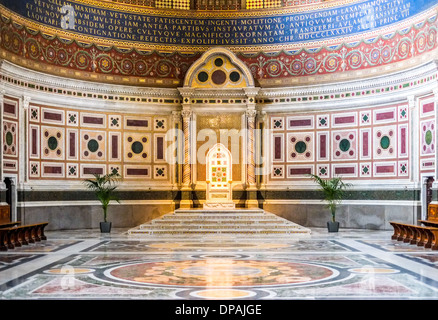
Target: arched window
point(261, 4)
point(173, 4)
point(218, 4)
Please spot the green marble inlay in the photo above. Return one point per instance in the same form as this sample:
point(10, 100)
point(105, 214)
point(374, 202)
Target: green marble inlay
point(137, 147)
point(234, 76)
point(344, 145)
point(385, 142)
point(203, 76)
point(52, 143)
point(218, 62)
point(300, 147)
point(428, 137)
point(9, 138)
point(366, 195)
point(93, 145)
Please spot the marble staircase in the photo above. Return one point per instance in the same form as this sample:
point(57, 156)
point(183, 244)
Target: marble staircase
point(232, 223)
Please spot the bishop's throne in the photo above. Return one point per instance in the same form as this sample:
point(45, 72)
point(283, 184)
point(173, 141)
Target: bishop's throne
point(219, 178)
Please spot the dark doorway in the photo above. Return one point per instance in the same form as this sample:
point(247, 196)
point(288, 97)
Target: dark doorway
point(8, 183)
point(8, 198)
point(429, 183)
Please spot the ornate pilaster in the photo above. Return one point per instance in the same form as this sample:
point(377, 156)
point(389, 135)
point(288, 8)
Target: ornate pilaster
point(434, 188)
point(2, 184)
point(435, 96)
point(23, 162)
point(415, 157)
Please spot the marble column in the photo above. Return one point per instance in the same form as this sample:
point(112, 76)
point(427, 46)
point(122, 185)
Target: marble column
point(187, 172)
point(186, 199)
point(262, 155)
point(251, 172)
point(174, 158)
point(251, 180)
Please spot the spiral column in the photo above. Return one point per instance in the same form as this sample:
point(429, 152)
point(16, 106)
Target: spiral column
point(251, 177)
point(187, 117)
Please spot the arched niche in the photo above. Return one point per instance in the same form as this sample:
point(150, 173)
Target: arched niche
point(219, 68)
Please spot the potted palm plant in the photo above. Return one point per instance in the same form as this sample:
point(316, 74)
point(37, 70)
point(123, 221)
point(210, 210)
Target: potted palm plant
point(334, 191)
point(104, 187)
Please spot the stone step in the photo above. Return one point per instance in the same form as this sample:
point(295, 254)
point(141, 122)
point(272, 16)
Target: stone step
point(243, 222)
point(206, 232)
point(219, 211)
point(205, 221)
point(203, 218)
point(203, 215)
point(214, 227)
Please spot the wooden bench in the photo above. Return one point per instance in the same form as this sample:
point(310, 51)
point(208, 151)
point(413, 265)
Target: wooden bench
point(424, 236)
point(9, 224)
point(17, 236)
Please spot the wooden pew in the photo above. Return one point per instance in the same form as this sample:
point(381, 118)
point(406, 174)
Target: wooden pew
point(424, 236)
point(9, 224)
point(17, 236)
point(432, 216)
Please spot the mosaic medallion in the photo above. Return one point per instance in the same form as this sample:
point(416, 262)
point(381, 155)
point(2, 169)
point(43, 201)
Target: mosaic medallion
point(345, 145)
point(137, 147)
point(52, 143)
point(9, 138)
point(93, 145)
point(221, 273)
point(385, 139)
point(427, 137)
point(300, 146)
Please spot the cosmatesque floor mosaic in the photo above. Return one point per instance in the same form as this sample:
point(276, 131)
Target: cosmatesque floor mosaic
point(88, 265)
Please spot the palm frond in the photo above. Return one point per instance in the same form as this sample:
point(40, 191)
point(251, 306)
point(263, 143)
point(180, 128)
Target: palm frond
point(104, 186)
point(333, 190)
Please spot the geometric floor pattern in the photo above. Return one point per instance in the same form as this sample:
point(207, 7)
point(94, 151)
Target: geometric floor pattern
point(348, 265)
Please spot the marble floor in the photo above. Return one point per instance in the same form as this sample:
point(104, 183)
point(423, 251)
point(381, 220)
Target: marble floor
point(348, 265)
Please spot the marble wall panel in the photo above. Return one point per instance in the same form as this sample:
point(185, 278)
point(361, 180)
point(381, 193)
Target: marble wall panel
point(65, 143)
point(373, 142)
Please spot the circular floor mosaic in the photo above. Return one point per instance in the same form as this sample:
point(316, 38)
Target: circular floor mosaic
point(221, 273)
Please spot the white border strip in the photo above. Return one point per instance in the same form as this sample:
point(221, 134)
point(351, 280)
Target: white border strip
point(349, 202)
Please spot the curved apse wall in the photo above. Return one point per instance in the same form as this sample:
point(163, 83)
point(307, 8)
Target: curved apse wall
point(283, 47)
